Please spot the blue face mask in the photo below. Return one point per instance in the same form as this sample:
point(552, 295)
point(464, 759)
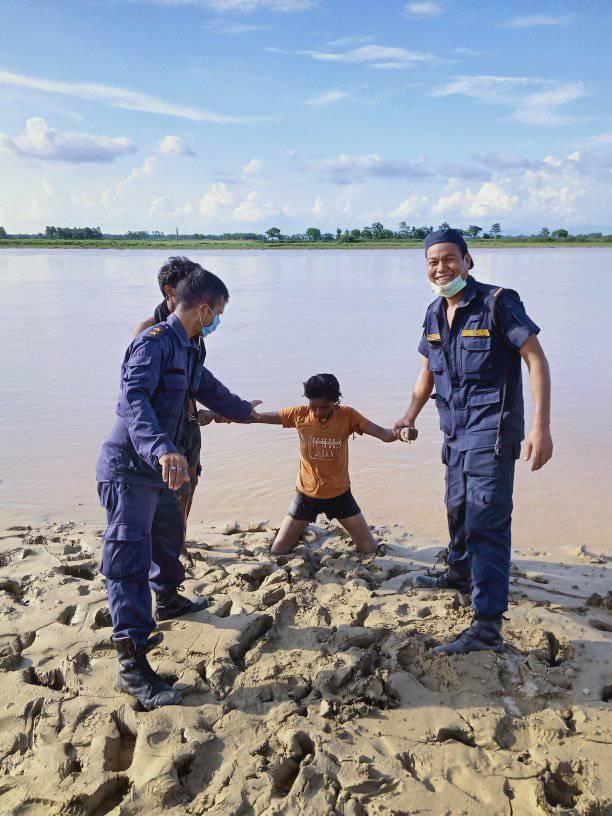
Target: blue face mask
point(206, 330)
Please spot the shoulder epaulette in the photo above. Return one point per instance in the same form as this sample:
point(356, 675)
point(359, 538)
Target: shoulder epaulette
point(155, 330)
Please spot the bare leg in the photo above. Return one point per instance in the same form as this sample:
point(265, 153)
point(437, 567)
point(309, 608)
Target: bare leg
point(287, 537)
point(357, 528)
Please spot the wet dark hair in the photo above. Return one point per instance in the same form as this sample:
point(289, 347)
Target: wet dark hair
point(174, 270)
point(322, 386)
point(199, 286)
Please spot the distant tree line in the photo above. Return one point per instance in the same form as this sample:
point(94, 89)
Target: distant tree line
point(374, 232)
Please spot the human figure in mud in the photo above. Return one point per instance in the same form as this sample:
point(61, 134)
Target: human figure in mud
point(474, 338)
point(140, 467)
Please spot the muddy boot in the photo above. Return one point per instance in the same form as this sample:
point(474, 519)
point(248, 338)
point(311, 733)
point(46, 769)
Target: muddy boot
point(136, 677)
point(481, 635)
point(449, 579)
point(172, 605)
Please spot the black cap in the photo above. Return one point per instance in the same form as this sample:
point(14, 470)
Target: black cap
point(448, 236)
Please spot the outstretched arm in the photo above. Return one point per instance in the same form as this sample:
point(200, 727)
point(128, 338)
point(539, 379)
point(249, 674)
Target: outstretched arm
point(268, 418)
point(539, 444)
point(422, 391)
point(384, 434)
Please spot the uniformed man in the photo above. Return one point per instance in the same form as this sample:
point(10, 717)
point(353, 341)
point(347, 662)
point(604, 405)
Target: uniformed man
point(139, 468)
point(474, 337)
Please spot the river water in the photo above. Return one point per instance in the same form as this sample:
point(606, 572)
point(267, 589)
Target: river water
point(358, 314)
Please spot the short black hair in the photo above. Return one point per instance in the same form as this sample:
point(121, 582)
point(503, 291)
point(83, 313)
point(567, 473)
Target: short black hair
point(200, 285)
point(322, 386)
point(174, 270)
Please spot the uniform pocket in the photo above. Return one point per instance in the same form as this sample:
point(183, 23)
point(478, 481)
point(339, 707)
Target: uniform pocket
point(435, 360)
point(475, 356)
point(126, 552)
point(444, 411)
point(174, 381)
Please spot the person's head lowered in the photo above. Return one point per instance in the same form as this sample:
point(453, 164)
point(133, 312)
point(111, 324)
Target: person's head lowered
point(171, 274)
point(323, 394)
point(200, 300)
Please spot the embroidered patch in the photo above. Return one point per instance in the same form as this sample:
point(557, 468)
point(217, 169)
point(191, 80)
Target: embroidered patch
point(433, 338)
point(475, 333)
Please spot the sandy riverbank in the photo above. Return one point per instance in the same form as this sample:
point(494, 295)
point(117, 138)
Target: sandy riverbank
point(309, 687)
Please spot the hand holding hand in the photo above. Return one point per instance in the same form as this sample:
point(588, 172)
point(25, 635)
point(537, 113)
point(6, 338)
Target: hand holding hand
point(254, 404)
point(205, 417)
point(538, 447)
point(404, 422)
point(175, 470)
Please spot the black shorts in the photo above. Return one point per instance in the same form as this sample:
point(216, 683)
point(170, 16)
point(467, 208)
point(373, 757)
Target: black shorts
point(306, 508)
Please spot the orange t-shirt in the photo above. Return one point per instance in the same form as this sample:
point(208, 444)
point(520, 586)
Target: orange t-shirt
point(323, 448)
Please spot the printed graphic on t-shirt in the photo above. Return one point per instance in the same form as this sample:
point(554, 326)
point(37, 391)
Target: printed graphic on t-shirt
point(323, 447)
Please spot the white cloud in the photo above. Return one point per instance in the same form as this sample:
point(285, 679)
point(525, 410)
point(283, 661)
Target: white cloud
point(413, 205)
point(327, 98)
point(251, 210)
point(375, 56)
point(427, 8)
point(317, 207)
point(490, 199)
point(251, 167)
point(174, 146)
point(533, 20)
point(214, 199)
point(39, 141)
point(347, 169)
point(116, 97)
point(552, 194)
point(533, 101)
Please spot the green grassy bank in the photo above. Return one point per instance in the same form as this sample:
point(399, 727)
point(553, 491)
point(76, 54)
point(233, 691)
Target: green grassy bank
point(118, 243)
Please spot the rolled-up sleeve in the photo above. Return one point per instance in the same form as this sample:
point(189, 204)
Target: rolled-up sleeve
point(515, 324)
point(423, 346)
point(214, 395)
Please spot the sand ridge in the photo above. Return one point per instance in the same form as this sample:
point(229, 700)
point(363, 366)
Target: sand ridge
point(309, 686)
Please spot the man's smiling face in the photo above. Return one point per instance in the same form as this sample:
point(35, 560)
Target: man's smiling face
point(445, 262)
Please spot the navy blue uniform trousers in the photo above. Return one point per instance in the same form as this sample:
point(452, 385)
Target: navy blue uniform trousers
point(141, 549)
point(479, 508)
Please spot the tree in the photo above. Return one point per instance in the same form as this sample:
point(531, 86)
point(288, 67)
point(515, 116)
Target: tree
point(495, 230)
point(545, 232)
point(444, 225)
point(473, 230)
point(274, 234)
point(313, 234)
point(355, 234)
point(560, 233)
point(338, 233)
point(2, 232)
point(377, 229)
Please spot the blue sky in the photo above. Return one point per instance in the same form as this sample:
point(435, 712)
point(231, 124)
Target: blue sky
point(237, 115)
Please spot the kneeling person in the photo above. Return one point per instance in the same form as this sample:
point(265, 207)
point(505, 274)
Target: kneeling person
point(139, 469)
point(324, 427)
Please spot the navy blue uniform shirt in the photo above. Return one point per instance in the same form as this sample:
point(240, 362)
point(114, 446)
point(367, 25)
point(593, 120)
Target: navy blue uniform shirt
point(160, 370)
point(470, 362)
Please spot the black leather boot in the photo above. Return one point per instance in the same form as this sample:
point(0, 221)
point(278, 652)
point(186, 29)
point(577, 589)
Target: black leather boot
point(172, 605)
point(449, 579)
point(481, 635)
point(136, 677)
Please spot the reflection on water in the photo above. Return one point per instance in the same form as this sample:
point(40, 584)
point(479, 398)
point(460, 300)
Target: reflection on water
point(358, 314)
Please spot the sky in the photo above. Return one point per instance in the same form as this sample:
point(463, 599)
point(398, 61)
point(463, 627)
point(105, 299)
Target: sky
point(238, 115)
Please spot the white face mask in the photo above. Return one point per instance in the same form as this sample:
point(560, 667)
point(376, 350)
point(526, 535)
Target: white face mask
point(449, 289)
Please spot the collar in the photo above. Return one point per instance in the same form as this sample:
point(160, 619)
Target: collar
point(177, 327)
